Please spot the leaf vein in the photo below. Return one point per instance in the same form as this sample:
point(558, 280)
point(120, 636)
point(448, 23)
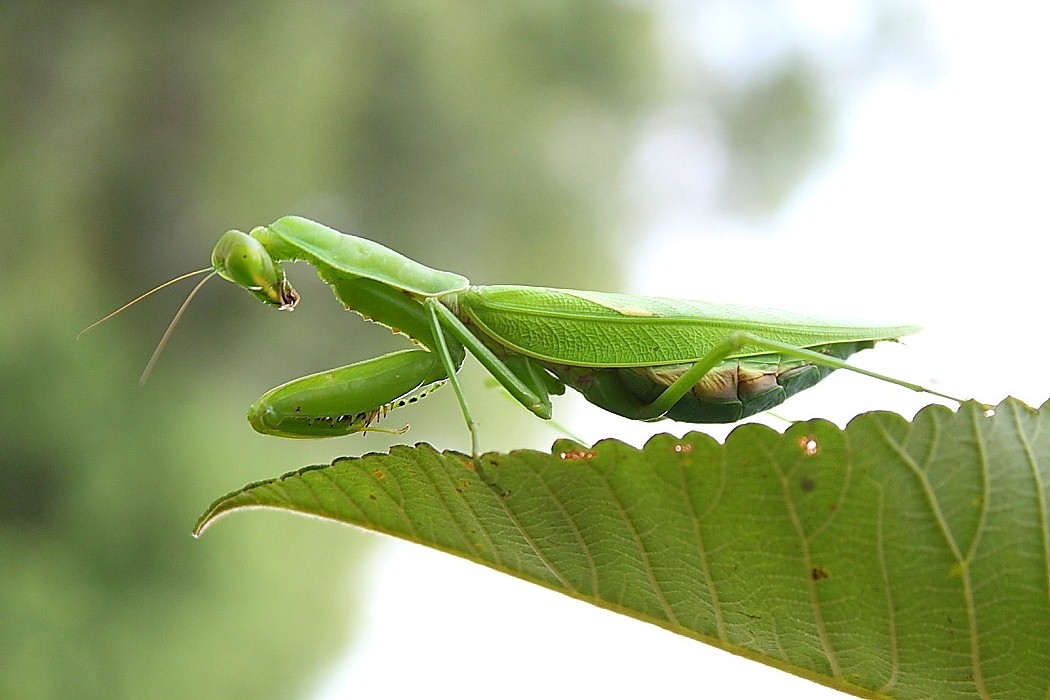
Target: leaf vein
point(468, 543)
point(536, 549)
point(701, 550)
point(807, 561)
point(654, 584)
point(578, 533)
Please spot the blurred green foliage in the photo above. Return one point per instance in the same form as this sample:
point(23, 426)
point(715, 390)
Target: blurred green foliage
point(131, 137)
point(489, 139)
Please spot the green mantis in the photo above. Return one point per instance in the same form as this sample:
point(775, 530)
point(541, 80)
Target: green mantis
point(645, 358)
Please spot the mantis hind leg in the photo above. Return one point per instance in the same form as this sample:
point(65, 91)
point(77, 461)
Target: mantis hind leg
point(681, 386)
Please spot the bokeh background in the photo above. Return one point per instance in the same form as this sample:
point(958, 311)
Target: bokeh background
point(876, 159)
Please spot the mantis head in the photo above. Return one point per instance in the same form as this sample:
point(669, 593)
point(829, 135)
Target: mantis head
point(237, 257)
point(243, 260)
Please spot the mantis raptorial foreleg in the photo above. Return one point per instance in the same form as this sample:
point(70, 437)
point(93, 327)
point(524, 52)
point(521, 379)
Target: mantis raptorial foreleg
point(347, 399)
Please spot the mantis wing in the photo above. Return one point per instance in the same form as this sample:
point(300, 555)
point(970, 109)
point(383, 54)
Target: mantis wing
point(596, 329)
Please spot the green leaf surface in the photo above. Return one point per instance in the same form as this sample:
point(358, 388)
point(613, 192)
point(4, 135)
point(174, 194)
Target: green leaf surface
point(889, 559)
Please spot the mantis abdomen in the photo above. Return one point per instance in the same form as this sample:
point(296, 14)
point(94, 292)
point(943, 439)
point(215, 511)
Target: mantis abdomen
point(733, 390)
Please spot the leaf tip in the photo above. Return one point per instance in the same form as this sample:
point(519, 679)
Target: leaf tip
point(205, 521)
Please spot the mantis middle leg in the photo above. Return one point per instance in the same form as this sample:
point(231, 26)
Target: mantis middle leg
point(525, 385)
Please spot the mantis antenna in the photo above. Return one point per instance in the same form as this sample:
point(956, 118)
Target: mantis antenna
point(140, 297)
point(171, 326)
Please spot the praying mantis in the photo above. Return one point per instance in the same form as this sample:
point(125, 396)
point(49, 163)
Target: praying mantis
point(644, 358)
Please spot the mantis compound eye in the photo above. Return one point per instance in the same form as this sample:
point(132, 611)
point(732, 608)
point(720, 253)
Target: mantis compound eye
point(243, 260)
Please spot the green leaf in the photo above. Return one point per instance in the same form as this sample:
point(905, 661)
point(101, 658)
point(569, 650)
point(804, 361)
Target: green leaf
point(889, 559)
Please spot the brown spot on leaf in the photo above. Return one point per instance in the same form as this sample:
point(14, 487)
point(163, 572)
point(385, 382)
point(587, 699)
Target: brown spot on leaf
point(809, 445)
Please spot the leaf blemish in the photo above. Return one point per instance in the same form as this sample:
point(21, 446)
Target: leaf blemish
point(683, 448)
point(818, 573)
point(807, 484)
point(576, 454)
point(809, 445)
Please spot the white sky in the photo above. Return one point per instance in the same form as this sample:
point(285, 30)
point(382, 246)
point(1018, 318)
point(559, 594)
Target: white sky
point(933, 211)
